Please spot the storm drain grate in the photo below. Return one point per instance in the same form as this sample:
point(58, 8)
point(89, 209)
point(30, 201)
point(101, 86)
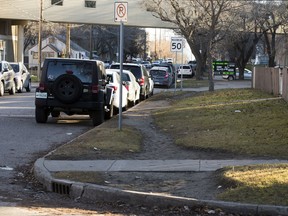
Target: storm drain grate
point(60, 188)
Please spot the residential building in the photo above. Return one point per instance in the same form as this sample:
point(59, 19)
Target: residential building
point(53, 46)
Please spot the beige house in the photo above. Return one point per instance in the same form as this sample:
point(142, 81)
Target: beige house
point(55, 47)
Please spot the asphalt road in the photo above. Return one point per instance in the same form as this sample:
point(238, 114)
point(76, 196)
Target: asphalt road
point(22, 141)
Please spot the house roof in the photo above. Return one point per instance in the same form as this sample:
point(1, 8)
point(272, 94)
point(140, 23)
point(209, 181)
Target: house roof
point(73, 45)
point(74, 11)
point(52, 47)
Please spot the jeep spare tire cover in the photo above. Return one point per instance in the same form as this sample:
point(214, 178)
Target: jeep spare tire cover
point(67, 88)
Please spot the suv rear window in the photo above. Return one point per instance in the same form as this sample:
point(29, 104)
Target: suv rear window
point(136, 70)
point(125, 77)
point(15, 67)
point(82, 70)
point(158, 73)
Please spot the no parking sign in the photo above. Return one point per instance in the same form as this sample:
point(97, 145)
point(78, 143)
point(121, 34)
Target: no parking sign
point(120, 11)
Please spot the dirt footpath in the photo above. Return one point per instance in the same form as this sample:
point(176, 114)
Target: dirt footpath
point(159, 146)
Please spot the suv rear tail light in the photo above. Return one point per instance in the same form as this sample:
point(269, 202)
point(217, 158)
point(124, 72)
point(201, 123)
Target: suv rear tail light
point(141, 81)
point(114, 88)
point(41, 86)
point(127, 87)
point(95, 89)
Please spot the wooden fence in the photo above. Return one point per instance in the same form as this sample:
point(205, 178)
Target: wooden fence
point(271, 80)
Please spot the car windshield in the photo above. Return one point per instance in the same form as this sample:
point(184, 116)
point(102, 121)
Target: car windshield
point(136, 70)
point(82, 70)
point(15, 67)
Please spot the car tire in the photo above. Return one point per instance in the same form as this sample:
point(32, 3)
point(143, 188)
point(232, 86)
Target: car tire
point(133, 102)
point(152, 92)
point(41, 115)
point(125, 108)
point(28, 88)
point(12, 91)
point(1, 89)
point(230, 78)
point(67, 88)
point(97, 117)
point(110, 113)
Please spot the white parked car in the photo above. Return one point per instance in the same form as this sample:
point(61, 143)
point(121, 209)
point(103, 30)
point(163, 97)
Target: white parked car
point(22, 77)
point(114, 82)
point(132, 86)
point(185, 70)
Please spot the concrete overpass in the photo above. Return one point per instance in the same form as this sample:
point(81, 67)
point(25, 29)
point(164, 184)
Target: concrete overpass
point(15, 13)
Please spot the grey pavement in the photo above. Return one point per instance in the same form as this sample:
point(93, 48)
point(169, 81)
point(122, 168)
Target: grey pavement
point(147, 165)
point(44, 168)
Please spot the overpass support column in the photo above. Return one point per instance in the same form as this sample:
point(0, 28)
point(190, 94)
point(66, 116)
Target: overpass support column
point(20, 44)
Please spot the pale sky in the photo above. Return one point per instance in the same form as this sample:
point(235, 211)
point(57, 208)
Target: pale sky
point(167, 34)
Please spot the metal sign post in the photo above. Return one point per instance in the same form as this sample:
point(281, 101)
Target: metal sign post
point(177, 46)
point(120, 15)
point(175, 75)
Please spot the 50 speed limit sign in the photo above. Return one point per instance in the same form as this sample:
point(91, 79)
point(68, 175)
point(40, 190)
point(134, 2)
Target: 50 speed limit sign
point(176, 44)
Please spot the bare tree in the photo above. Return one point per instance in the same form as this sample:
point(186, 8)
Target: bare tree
point(30, 34)
point(105, 40)
point(241, 40)
point(274, 16)
point(196, 19)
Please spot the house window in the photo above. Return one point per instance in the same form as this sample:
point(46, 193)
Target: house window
point(35, 55)
point(90, 4)
point(57, 2)
point(48, 54)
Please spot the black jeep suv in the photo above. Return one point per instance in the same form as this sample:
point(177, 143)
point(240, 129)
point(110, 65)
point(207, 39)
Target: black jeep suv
point(73, 86)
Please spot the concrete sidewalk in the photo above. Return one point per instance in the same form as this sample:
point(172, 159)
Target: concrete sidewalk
point(86, 192)
point(147, 165)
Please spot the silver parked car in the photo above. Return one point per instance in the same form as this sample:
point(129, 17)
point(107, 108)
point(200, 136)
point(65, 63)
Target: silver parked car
point(161, 76)
point(22, 77)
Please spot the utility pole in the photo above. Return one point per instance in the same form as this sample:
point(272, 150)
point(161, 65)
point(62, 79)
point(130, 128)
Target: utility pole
point(40, 40)
point(91, 46)
point(68, 50)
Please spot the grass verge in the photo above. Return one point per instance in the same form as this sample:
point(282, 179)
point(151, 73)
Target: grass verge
point(238, 121)
point(191, 83)
point(105, 139)
point(258, 184)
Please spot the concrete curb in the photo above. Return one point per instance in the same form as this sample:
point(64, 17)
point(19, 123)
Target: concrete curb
point(94, 193)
